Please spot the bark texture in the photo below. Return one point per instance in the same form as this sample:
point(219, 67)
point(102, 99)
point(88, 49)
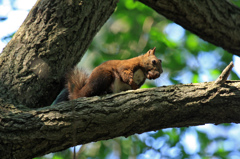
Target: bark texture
point(85, 120)
point(51, 40)
point(216, 21)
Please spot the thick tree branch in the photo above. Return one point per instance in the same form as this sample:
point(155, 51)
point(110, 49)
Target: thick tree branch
point(216, 21)
point(53, 128)
point(52, 39)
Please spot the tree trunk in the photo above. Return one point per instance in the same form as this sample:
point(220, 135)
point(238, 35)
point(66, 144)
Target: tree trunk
point(31, 133)
point(216, 21)
point(54, 37)
point(50, 41)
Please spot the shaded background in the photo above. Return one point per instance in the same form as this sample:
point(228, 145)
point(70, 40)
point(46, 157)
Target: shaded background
point(132, 30)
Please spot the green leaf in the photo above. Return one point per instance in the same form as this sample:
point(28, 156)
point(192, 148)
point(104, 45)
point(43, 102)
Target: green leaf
point(192, 42)
point(195, 78)
point(57, 157)
point(215, 73)
point(204, 140)
point(173, 137)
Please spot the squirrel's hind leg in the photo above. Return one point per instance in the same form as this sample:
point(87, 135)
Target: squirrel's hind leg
point(99, 83)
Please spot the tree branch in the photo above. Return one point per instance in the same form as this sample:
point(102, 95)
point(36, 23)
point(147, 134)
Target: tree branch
point(85, 120)
point(224, 75)
point(217, 22)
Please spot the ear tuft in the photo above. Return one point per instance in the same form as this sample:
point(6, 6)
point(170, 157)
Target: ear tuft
point(152, 51)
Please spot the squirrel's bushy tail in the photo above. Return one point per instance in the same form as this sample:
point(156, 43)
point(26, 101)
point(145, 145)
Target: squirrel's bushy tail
point(76, 79)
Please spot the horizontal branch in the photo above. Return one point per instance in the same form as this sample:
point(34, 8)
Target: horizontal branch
point(211, 20)
point(84, 120)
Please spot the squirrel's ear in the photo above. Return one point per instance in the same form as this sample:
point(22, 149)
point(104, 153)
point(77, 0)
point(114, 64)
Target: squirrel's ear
point(151, 51)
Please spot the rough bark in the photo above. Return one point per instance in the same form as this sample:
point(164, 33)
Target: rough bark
point(82, 121)
point(51, 40)
point(216, 21)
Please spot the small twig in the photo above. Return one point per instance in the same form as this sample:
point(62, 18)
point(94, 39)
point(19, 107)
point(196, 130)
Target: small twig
point(224, 75)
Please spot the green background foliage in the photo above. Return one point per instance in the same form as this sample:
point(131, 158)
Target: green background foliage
point(131, 31)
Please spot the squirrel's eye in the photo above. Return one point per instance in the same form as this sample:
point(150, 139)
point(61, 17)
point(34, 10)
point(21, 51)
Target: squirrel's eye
point(160, 60)
point(153, 62)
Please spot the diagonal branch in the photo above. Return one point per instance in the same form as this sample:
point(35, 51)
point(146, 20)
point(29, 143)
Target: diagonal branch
point(217, 22)
point(51, 40)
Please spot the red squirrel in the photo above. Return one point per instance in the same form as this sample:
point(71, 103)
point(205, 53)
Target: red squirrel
point(114, 76)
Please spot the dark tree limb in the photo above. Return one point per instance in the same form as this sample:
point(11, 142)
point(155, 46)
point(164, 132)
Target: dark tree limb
point(216, 21)
point(51, 40)
point(85, 120)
